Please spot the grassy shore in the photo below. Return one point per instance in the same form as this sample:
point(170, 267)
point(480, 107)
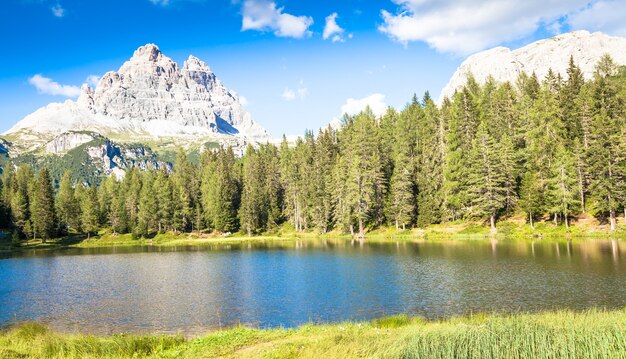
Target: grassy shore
point(512, 228)
point(563, 334)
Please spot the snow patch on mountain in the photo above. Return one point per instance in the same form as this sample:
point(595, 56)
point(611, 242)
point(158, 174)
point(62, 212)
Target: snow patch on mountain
point(503, 64)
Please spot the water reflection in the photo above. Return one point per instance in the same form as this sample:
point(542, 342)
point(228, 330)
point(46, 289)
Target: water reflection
point(192, 289)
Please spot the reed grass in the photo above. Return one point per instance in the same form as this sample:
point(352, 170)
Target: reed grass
point(561, 334)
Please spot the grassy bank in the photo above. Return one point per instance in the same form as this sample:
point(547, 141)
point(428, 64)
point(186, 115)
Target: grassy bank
point(512, 228)
point(564, 334)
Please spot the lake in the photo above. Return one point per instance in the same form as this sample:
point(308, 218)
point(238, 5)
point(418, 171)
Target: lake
point(196, 289)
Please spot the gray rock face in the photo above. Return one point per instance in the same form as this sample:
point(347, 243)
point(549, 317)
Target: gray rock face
point(150, 95)
point(68, 141)
point(505, 65)
point(5, 146)
point(111, 159)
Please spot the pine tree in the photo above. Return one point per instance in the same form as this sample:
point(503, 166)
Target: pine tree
point(364, 175)
point(403, 187)
point(89, 210)
point(67, 204)
point(322, 196)
point(272, 190)
point(251, 210)
point(164, 200)
point(603, 154)
point(132, 188)
point(562, 195)
point(184, 192)
point(43, 211)
point(455, 164)
point(430, 158)
point(118, 217)
point(531, 196)
point(220, 191)
point(20, 201)
point(148, 206)
point(487, 179)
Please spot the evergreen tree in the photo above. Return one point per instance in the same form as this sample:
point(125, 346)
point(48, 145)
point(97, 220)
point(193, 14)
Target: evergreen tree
point(67, 205)
point(531, 196)
point(20, 201)
point(562, 193)
point(603, 155)
point(147, 214)
point(164, 200)
point(322, 193)
point(487, 178)
point(403, 186)
point(184, 190)
point(118, 217)
point(430, 159)
point(43, 211)
point(364, 172)
point(89, 210)
point(251, 210)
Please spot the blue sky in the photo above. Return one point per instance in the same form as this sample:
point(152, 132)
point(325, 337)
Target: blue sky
point(293, 74)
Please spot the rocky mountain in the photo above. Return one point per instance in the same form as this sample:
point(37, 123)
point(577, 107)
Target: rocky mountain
point(505, 64)
point(149, 96)
point(135, 117)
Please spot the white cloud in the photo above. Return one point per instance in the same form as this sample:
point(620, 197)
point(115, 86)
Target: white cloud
point(92, 80)
point(243, 101)
point(332, 30)
point(466, 26)
point(58, 10)
point(45, 85)
point(262, 15)
point(160, 2)
point(604, 15)
point(375, 101)
point(288, 94)
point(301, 92)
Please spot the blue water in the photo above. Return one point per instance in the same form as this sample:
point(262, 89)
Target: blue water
point(192, 290)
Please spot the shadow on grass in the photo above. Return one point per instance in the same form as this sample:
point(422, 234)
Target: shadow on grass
point(9, 245)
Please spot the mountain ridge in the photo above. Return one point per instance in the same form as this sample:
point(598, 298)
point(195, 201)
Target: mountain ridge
point(148, 96)
point(504, 64)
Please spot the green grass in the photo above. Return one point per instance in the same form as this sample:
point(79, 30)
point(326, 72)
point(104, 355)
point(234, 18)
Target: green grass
point(562, 334)
point(459, 230)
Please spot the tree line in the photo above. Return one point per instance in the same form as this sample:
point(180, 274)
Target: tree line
point(553, 147)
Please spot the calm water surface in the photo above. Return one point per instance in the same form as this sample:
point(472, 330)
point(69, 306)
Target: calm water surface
point(190, 290)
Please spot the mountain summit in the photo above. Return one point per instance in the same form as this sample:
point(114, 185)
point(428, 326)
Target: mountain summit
point(504, 64)
point(150, 95)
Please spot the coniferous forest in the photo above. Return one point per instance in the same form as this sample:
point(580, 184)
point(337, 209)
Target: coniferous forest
point(546, 147)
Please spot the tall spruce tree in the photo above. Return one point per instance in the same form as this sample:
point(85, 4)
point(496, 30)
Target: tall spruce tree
point(430, 160)
point(364, 171)
point(89, 210)
point(43, 210)
point(403, 187)
point(531, 196)
point(487, 179)
point(562, 195)
point(68, 208)
point(603, 155)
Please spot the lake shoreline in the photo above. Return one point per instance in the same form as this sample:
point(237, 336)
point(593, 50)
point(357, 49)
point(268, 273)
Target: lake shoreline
point(440, 232)
point(589, 333)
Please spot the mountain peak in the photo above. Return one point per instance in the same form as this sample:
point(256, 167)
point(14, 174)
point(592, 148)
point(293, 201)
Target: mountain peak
point(539, 57)
point(195, 64)
point(150, 95)
point(148, 52)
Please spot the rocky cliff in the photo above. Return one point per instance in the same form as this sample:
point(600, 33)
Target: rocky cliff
point(150, 95)
point(504, 64)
